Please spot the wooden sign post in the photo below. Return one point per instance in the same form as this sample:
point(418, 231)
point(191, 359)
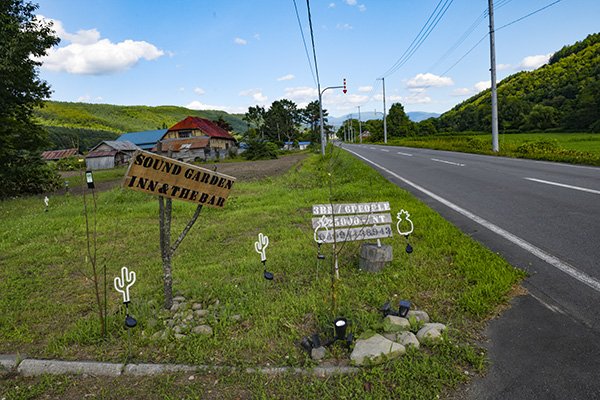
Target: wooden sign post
point(172, 179)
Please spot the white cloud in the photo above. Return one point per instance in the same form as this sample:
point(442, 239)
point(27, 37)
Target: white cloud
point(534, 62)
point(256, 94)
point(331, 5)
point(87, 54)
point(503, 67)
point(86, 98)
point(461, 92)
point(417, 98)
point(256, 36)
point(351, 2)
point(344, 27)
point(287, 77)
point(365, 89)
point(196, 105)
point(240, 41)
point(429, 80)
point(362, 8)
point(481, 86)
point(301, 94)
point(199, 91)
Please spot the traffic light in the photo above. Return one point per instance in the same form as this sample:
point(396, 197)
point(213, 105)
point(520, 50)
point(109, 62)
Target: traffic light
point(344, 90)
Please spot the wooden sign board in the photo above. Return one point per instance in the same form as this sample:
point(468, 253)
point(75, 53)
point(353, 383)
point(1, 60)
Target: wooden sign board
point(164, 176)
point(351, 234)
point(354, 208)
point(367, 221)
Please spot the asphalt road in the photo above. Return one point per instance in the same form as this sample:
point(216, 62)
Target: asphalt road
point(541, 217)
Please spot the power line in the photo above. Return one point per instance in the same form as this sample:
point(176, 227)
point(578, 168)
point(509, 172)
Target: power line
point(304, 42)
point(497, 29)
point(429, 26)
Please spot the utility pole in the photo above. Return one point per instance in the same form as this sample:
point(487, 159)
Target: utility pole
point(495, 146)
point(384, 112)
point(359, 126)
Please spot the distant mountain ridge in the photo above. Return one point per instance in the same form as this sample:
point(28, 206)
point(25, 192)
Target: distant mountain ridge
point(87, 124)
point(415, 116)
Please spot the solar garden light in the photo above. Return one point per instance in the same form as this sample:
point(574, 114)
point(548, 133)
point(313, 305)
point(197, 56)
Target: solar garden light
point(323, 222)
point(403, 309)
point(122, 285)
point(89, 178)
point(340, 326)
point(260, 246)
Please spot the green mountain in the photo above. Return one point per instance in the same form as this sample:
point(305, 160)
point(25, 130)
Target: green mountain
point(563, 95)
point(88, 124)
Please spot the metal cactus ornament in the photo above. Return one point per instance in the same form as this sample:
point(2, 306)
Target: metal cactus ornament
point(260, 247)
point(323, 223)
point(122, 285)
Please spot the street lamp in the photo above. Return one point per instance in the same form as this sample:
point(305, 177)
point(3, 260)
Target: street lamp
point(343, 87)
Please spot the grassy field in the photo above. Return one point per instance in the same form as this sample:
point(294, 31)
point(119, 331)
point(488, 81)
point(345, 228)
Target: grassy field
point(47, 306)
point(577, 148)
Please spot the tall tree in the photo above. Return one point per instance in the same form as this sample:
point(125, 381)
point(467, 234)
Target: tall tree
point(255, 116)
point(311, 116)
point(23, 39)
point(398, 122)
point(282, 120)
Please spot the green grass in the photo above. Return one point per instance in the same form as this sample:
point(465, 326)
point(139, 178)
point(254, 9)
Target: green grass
point(576, 148)
point(47, 304)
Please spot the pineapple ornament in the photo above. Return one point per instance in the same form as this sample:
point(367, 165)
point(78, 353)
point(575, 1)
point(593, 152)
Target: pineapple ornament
point(405, 227)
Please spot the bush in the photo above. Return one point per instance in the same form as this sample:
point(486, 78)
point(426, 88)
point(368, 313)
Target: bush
point(68, 164)
point(260, 150)
point(538, 146)
point(28, 174)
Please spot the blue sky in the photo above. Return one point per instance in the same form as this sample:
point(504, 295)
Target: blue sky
point(232, 54)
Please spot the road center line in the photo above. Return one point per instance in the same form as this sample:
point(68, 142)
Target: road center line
point(405, 154)
point(565, 186)
point(386, 150)
point(536, 251)
point(447, 162)
point(372, 148)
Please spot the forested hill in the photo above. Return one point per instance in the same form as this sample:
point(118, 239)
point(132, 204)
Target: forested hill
point(562, 95)
point(88, 124)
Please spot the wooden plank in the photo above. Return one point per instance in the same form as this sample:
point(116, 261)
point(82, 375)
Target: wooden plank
point(352, 208)
point(352, 234)
point(342, 221)
point(164, 176)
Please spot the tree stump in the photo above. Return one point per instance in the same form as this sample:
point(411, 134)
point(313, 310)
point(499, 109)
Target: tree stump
point(373, 258)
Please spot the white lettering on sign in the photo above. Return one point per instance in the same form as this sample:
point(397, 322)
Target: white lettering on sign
point(357, 208)
point(342, 221)
point(352, 234)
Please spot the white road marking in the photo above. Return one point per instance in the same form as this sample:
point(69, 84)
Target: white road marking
point(565, 186)
point(448, 162)
point(372, 148)
point(550, 307)
point(536, 251)
point(386, 150)
point(405, 154)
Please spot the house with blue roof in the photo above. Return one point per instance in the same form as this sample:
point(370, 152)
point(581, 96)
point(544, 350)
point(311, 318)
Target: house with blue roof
point(145, 140)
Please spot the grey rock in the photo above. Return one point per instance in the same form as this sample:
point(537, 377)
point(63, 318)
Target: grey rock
point(375, 349)
point(169, 323)
point(196, 306)
point(392, 323)
point(201, 313)
point(202, 330)
point(177, 329)
point(391, 336)
point(407, 339)
point(431, 333)
point(180, 336)
point(419, 315)
point(8, 362)
point(179, 299)
point(38, 367)
point(174, 307)
point(318, 353)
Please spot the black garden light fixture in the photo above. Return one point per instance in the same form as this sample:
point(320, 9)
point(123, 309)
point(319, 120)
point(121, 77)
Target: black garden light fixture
point(403, 309)
point(89, 178)
point(340, 326)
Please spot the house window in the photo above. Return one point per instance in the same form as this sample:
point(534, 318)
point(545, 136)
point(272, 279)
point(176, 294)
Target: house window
point(185, 134)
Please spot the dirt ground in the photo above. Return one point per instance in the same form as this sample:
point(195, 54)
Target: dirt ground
point(243, 171)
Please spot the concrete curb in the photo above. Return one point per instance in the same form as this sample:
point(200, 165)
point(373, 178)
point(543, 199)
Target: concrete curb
point(33, 367)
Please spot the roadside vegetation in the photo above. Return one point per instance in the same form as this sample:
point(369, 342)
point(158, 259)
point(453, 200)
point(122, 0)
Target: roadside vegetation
point(574, 148)
point(47, 301)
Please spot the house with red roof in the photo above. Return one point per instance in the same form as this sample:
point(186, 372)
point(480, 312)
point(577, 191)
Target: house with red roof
point(195, 139)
